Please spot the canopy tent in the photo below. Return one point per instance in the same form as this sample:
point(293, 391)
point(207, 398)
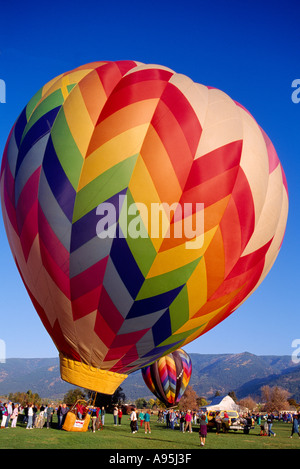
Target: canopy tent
point(222, 403)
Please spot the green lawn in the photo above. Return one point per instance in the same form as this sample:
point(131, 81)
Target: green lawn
point(161, 438)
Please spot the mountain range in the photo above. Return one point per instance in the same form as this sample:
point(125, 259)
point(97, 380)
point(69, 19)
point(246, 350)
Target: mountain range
point(243, 373)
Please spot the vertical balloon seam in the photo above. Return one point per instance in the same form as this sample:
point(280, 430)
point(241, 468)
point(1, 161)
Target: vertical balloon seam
point(156, 379)
point(179, 373)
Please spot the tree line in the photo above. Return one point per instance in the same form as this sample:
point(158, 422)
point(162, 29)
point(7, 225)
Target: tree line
point(273, 399)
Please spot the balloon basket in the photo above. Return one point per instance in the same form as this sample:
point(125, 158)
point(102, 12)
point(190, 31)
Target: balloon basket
point(89, 377)
point(74, 424)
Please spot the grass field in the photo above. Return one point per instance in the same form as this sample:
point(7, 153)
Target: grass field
point(161, 438)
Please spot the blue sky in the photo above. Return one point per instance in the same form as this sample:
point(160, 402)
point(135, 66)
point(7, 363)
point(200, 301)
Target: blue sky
point(250, 50)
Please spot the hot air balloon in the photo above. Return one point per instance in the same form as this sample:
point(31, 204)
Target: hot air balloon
point(168, 377)
point(141, 209)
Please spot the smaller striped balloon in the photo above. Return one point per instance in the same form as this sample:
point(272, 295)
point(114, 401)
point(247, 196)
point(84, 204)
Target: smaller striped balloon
point(169, 376)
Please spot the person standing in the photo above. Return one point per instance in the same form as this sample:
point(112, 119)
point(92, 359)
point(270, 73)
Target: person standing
point(147, 421)
point(218, 422)
point(295, 427)
point(203, 429)
point(172, 419)
point(120, 414)
point(98, 422)
point(270, 423)
point(225, 422)
point(188, 421)
point(80, 410)
point(133, 421)
point(9, 413)
point(115, 416)
point(59, 417)
point(25, 418)
point(258, 419)
point(102, 413)
point(141, 417)
point(14, 416)
point(167, 418)
point(63, 412)
point(50, 411)
point(30, 417)
point(94, 418)
point(4, 416)
point(34, 414)
point(182, 422)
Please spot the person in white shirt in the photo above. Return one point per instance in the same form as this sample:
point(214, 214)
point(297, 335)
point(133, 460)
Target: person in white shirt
point(9, 413)
point(30, 417)
point(133, 421)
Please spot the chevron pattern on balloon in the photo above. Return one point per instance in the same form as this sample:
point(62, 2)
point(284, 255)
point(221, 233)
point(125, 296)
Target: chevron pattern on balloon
point(129, 136)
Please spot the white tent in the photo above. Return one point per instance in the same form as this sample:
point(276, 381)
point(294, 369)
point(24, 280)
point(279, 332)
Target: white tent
point(222, 403)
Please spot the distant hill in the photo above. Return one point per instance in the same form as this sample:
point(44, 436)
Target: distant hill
point(235, 372)
point(243, 373)
point(40, 375)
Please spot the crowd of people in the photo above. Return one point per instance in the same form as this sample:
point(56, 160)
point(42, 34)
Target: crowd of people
point(31, 415)
point(266, 422)
point(140, 418)
point(170, 417)
point(42, 416)
point(184, 420)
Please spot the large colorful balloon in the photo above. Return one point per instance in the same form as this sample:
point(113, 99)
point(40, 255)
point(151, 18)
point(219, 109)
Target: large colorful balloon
point(141, 209)
point(168, 377)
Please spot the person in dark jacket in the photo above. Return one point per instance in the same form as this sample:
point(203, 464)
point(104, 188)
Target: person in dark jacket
point(270, 419)
point(295, 427)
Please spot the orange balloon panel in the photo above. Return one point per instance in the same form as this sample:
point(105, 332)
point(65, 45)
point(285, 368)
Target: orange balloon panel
point(141, 209)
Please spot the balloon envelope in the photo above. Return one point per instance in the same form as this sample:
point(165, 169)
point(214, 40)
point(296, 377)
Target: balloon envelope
point(141, 209)
point(169, 376)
